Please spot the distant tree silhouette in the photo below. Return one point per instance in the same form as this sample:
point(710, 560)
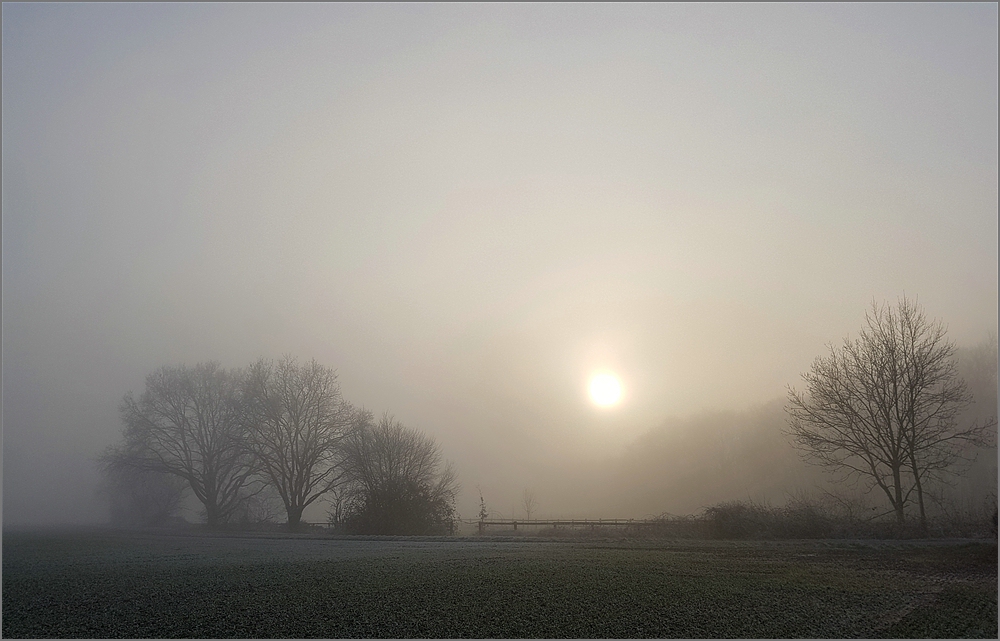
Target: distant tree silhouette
point(187, 423)
point(528, 502)
point(885, 407)
point(397, 481)
point(297, 420)
point(977, 365)
point(138, 497)
point(484, 512)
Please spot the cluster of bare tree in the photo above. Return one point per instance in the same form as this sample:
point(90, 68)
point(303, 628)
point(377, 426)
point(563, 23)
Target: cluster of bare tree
point(279, 427)
point(887, 408)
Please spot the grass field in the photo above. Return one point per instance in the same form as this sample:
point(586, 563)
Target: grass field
point(107, 584)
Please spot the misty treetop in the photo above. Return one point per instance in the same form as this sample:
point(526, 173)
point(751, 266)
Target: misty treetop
point(277, 427)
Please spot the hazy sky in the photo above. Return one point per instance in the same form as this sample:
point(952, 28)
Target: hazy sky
point(468, 209)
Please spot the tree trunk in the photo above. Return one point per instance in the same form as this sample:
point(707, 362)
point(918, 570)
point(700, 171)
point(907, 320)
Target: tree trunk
point(295, 516)
point(211, 515)
point(898, 487)
point(920, 494)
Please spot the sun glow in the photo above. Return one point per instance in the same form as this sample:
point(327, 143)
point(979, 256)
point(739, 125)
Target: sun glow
point(605, 390)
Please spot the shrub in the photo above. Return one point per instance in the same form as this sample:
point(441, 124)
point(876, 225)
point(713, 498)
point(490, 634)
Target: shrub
point(395, 481)
point(404, 507)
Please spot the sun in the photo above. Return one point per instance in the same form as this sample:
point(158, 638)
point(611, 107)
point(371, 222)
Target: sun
point(605, 390)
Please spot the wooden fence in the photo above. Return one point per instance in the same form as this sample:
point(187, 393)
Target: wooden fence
point(521, 525)
point(592, 524)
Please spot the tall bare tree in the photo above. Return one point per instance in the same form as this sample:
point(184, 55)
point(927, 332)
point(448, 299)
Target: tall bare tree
point(187, 423)
point(884, 406)
point(297, 419)
point(400, 484)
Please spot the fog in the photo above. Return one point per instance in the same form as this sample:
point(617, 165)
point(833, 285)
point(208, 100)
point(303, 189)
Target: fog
point(467, 210)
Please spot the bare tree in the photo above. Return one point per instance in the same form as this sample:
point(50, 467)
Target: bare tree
point(187, 423)
point(484, 512)
point(884, 407)
point(837, 424)
point(528, 502)
point(399, 483)
point(340, 504)
point(297, 419)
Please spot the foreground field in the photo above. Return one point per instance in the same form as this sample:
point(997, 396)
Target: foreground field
point(105, 584)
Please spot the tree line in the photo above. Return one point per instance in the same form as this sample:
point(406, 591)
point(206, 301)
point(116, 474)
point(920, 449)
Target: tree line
point(281, 427)
point(886, 410)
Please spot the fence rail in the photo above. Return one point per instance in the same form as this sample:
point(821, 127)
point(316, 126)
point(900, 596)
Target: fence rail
point(564, 523)
point(514, 524)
